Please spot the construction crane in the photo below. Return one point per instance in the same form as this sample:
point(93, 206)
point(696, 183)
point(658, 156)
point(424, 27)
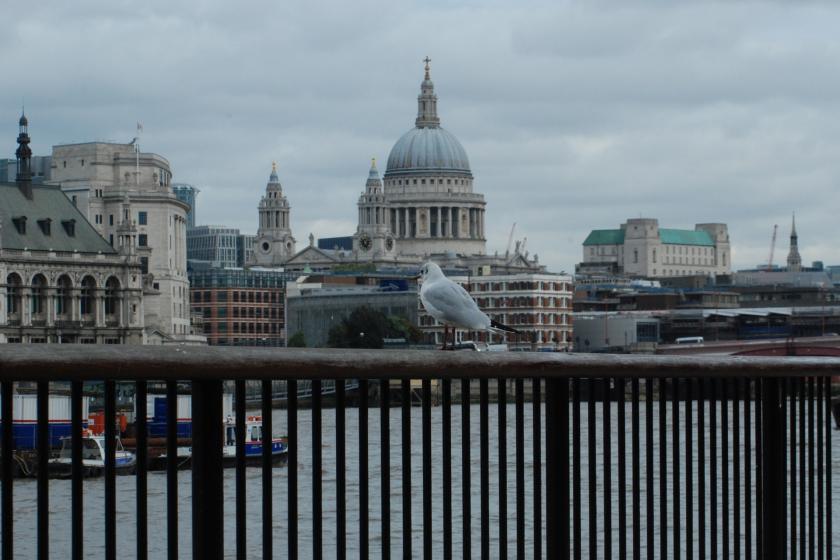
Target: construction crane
point(772, 247)
point(510, 239)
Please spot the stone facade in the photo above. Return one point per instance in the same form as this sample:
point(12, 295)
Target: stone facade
point(641, 248)
point(274, 243)
point(99, 177)
point(537, 305)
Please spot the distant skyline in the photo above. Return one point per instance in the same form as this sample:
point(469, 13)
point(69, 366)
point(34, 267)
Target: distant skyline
point(575, 116)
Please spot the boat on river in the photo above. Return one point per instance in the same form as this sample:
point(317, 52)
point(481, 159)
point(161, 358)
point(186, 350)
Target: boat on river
point(253, 444)
point(93, 457)
point(253, 447)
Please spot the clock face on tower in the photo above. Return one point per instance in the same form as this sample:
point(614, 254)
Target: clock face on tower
point(365, 242)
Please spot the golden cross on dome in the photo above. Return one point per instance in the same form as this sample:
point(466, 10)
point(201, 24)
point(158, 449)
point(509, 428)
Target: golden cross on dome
point(427, 60)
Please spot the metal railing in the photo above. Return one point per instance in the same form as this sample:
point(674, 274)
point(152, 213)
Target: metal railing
point(627, 456)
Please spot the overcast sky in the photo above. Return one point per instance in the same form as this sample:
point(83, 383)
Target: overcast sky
point(575, 115)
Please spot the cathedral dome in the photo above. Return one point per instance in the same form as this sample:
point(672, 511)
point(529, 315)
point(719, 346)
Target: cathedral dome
point(428, 149)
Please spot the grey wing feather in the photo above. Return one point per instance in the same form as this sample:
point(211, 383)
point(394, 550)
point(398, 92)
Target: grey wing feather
point(455, 305)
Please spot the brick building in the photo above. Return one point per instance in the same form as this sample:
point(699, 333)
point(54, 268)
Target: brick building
point(240, 307)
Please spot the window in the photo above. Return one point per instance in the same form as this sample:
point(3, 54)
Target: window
point(45, 225)
point(635, 255)
point(144, 265)
point(111, 220)
point(142, 218)
point(20, 224)
point(73, 198)
point(86, 300)
point(70, 227)
point(143, 240)
point(83, 163)
point(111, 239)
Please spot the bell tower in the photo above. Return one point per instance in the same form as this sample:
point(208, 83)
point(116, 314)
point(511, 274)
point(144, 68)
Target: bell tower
point(373, 237)
point(275, 243)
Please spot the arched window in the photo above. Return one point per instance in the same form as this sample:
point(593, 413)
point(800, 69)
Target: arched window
point(63, 297)
point(39, 285)
point(87, 302)
point(13, 292)
point(112, 287)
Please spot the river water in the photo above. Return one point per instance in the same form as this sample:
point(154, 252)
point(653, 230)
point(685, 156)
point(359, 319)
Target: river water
point(25, 491)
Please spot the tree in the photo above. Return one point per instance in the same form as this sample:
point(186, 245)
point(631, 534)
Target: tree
point(297, 340)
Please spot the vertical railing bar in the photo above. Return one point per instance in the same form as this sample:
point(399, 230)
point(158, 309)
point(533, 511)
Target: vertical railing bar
point(621, 386)
point(713, 470)
point(427, 467)
point(110, 471)
point(239, 438)
point(207, 470)
point(736, 466)
point(606, 433)
point(811, 496)
point(576, 519)
point(385, 463)
point(820, 505)
point(76, 489)
point(557, 468)
point(759, 465)
point(773, 511)
point(636, 474)
point(520, 468)
point(792, 392)
point(364, 491)
point(803, 473)
point(723, 394)
point(701, 466)
point(446, 443)
point(141, 450)
point(748, 491)
point(466, 465)
point(537, 444)
point(828, 469)
point(675, 465)
point(649, 466)
point(172, 470)
point(340, 471)
point(266, 472)
point(405, 401)
point(292, 466)
point(43, 449)
point(484, 452)
point(592, 481)
point(6, 390)
point(317, 469)
point(691, 389)
point(663, 470)
point(501, 398)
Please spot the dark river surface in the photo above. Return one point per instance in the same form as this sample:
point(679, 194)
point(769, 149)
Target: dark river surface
point(25, 491)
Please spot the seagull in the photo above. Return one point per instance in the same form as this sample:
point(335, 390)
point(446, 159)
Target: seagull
point(450, 304)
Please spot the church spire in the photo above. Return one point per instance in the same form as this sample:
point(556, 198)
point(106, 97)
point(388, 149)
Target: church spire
point(374, 183)
point(427, 116)
point(794, 261)
point(24, 157)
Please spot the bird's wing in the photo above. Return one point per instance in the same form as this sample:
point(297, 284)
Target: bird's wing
point(454, 305)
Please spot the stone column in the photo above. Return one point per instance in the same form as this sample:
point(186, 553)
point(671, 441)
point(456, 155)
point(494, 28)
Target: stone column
point(25, 305)
point(99, 306)
point(49, 305)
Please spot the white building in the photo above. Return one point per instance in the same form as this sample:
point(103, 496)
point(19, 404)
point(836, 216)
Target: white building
point(107, 180)
point(641, 248)
point(537, 305)
point(60, 281)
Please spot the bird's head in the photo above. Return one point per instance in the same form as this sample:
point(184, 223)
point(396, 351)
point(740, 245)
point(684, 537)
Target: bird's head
point(430, 271)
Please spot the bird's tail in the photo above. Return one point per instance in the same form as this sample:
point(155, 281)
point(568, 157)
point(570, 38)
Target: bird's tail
point(497, 326)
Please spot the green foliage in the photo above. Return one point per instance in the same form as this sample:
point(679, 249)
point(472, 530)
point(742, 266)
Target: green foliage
point(297, 340)
point(367, 327)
